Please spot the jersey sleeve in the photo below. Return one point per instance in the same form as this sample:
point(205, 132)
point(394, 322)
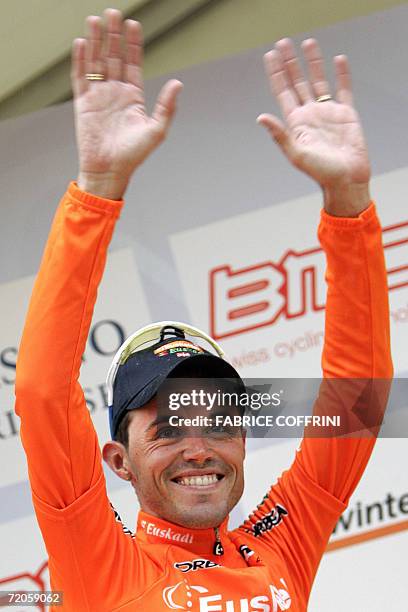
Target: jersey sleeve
point(356, 360)
point(297, 516)
point(56, 429)
point(85, 540)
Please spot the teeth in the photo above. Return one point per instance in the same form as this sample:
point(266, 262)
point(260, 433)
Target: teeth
point(198, 481)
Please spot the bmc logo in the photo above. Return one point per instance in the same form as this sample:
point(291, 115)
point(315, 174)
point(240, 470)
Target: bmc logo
point(248, 298)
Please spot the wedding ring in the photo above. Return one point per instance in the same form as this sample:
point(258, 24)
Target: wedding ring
point(324, 98)
point(94, 76)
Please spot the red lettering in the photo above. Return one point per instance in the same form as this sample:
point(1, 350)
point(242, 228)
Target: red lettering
point(395, 240)
point(245, 299)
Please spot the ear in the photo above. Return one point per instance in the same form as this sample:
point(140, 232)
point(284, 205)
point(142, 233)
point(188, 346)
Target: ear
point(115, 455)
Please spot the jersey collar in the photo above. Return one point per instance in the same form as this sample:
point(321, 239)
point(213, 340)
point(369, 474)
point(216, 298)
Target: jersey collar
point(155, 530)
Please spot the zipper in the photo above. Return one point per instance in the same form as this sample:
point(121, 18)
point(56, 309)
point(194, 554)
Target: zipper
point(218, 549)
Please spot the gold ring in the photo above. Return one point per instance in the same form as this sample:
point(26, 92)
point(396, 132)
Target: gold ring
point(324, 98)
point(94, 76)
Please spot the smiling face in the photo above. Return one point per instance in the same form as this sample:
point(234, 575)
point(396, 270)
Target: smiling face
point(189, 476)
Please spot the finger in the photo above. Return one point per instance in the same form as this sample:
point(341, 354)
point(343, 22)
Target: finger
point(315, 65)
point(278, 82)
point(78, 66)
point(344, 93)
point(276, 129)
point(134, 54)
point(93, 57)
point(294, 73)
point(113, 55)
point(165, 106)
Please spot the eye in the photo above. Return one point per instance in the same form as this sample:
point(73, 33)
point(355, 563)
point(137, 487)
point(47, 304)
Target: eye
point(218, 429)
point(222, 430)
point(167, 433)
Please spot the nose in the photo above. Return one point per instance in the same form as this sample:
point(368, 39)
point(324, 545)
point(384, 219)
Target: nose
point(197, 449)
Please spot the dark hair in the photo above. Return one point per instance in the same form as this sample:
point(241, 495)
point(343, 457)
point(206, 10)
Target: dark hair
point(122, 433)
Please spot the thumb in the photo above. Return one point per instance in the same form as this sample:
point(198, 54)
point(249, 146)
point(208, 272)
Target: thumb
point(165, 106)
point(276, 129)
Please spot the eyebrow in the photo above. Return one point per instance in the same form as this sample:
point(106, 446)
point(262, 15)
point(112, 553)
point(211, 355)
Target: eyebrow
point(157, 421)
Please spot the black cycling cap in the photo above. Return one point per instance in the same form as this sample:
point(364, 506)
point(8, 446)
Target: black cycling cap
point(139, 378)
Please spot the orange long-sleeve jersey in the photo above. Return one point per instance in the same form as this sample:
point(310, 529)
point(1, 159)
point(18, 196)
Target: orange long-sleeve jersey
point(270, 561)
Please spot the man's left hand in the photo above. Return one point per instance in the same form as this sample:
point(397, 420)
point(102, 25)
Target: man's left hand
point(324, 139)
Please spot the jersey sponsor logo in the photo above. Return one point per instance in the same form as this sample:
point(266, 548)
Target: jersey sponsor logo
point(172, 594)
point(247, 298)
point(185, 596)
point(269, 521)
point(194, 565)
point(167, 534)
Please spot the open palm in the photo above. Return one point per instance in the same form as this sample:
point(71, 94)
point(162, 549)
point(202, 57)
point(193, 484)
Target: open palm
point(322, 138)
point(114, 132)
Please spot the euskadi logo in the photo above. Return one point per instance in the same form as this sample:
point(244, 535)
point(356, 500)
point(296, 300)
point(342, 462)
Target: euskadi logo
point(183, 596)
point(167, 533)
point(247, 298)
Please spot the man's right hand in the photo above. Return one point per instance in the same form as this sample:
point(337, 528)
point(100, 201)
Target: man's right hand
point(114, 133)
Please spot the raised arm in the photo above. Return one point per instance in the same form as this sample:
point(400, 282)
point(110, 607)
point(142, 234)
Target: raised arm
point(322, 136)
point(114, 136)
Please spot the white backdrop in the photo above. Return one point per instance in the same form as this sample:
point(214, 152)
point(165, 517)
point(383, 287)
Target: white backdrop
point(218, 198)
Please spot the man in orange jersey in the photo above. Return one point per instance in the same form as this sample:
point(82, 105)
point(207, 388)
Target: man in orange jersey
point(183, 557)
